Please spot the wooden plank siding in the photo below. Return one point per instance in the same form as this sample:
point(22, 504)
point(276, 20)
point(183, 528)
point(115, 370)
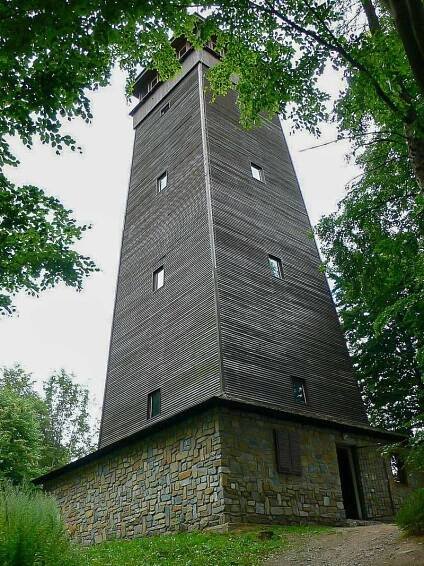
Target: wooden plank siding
point(165, 339)
point(232, 331)
point(271, 329)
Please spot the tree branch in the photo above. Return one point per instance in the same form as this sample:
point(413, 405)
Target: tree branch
point(334, 47)
point(355, 136)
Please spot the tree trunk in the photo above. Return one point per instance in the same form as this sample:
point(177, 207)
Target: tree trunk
point(416, 154)
point(409, 20)
point(372, 18)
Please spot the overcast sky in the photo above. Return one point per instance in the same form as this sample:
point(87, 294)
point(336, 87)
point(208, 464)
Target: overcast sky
point(67, 329)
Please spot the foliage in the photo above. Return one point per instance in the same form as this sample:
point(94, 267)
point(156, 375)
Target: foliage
point(18, 380)
point(373, 248)
point(68, 434)
point(52, 56)
point(410, 518)
point(414, 456)
point(40, 432)
point(279, 50)
point(373, 245)
point(21, 439)
point(37, 235)
point(199, 549)
point(31, 530)
point(410, 450)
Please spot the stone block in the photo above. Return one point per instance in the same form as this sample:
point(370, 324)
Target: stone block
point(260, 508)
point(185, 474)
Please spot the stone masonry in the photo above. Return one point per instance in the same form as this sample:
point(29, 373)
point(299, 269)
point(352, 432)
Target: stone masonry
point(254, 491)
point(217, 468)
point(168, 482)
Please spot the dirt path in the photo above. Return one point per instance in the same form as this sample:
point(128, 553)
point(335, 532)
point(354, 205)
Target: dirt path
point(375, 545)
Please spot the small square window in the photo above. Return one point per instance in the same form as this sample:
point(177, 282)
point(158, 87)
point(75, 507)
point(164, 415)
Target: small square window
point(165, 108)
point(257, 172)
point(153, 82)
point(299, 390)
point(158, 278)
point(154, 404)
point(161, 182)
point(183, 50)
point(275, 266)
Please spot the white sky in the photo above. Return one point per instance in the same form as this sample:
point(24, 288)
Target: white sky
point(67, 329)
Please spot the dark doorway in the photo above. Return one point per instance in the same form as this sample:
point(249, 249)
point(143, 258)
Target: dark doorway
point(349, 482)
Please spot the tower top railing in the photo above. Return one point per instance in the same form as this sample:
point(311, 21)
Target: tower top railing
point(148, 79)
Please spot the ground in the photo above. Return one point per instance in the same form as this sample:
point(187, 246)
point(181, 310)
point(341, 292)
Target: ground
point(370, 545)
point(246, 546)
point(376, 545)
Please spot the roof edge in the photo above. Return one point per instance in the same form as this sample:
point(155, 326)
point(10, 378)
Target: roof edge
point(325, 421)
point(240, 404)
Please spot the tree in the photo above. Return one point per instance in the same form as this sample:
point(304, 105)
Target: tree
point(21, 438)
point(36, 238)
point(41, 432)
point(52, 55)
point(279, 49)
point(408, 16)
point(373, 249)
point(18, 380)
point(69, 433)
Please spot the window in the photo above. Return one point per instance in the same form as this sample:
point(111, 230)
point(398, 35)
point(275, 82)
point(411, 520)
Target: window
point(299, 390)
point(165, 108)
point(275, 266)
point(397, 466)
point(153, 404)
point(161, 182)
point(287, 446)
point(257, 172)
point(183, 50)
point(158, 278)
point(153, 83)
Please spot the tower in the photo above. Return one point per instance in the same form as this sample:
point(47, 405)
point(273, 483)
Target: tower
point(230, 396)
point(219, 291)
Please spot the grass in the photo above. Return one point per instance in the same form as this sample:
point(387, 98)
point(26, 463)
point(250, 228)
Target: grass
point(242, 548)
point(31, 530)
point(32, 533)
point(410, 518)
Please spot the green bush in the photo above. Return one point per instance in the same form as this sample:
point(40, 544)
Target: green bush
point(410, 517)
point(31, 530)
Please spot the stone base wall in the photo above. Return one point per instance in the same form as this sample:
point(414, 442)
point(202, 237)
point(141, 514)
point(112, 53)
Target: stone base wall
point(255, 491)
point(215, 468)
point(170, 481)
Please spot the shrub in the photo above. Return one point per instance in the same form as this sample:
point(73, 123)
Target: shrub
point(31, 530)
point(410, 517)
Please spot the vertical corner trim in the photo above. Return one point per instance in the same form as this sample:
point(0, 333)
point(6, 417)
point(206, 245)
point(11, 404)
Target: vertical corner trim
point(209, 211)
point(206, 161)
